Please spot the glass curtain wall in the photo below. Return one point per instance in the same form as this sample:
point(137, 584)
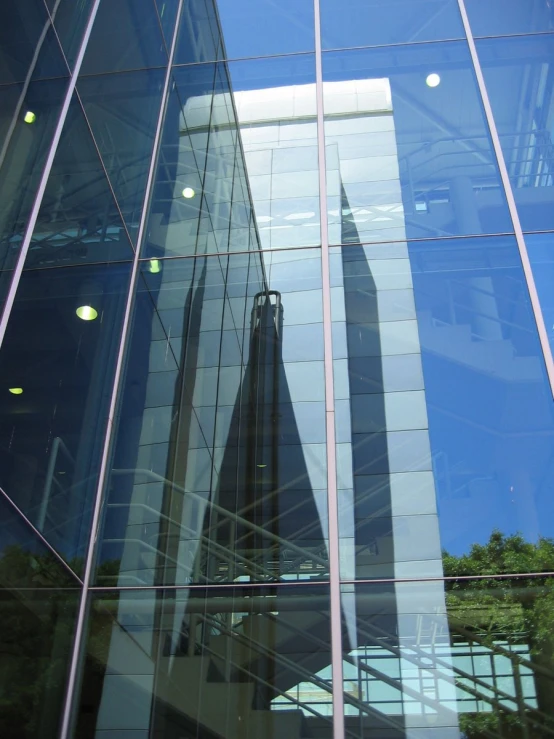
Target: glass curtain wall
point(277, 425)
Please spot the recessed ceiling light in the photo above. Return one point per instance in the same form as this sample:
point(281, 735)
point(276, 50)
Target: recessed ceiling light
point(155, 266)
point(433, 80)
point(16, 390)
point(188, 193)
point(29, 117)
point(87, 312)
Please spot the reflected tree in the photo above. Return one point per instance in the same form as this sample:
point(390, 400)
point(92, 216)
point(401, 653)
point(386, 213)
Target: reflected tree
point(38, 601)
point(499, 614)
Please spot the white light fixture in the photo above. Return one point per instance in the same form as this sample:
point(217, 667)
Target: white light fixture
point(433, 80)
point(188, 193)
point(16, 390)
point(86, 312)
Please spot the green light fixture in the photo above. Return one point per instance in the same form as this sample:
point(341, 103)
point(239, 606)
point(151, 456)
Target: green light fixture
point(86, 312)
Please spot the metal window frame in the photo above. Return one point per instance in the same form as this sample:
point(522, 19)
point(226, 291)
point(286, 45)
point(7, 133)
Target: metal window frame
point(73, 679)
point(331, 448)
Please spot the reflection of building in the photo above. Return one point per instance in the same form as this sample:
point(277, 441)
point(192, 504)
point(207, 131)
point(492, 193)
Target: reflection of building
point(274, 395)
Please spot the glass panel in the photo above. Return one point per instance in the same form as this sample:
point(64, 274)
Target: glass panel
point(79, 221)
point(25, 31)
point(382, 22)
point(440, 660)
point(38, 599)
point(167, 10)
point(26, 129)
point(247, 662)
point(408, 151)
point(231, 29)
point(70, 19)
point(499, 17)
point(122, 111)
point(540, 248)
point(525, 120)
point(25, 559)
point(56, 369)
point(126, 35)
point(219, 470)
point(35, 643)
point(473, 434)
point(238, 163)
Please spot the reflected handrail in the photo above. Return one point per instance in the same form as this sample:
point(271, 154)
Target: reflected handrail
point(220, 510)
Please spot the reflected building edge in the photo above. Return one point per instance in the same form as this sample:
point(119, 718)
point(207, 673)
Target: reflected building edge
point(210, 610)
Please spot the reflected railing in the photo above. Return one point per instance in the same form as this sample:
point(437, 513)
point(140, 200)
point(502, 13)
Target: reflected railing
point(213, 629)
point(251, 566)
point(462, 679)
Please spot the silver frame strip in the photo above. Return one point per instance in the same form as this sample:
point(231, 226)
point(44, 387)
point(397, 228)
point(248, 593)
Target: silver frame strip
point(31, 223)
point(72, 679)
point(522, 247)
point(332, 492)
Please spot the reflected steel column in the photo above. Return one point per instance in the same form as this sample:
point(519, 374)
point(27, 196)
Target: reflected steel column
point(528, 272)
point(332, 495)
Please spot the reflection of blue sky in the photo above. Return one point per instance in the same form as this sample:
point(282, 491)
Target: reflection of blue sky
point(266, 27)
point(541, 254)
point(490, 412)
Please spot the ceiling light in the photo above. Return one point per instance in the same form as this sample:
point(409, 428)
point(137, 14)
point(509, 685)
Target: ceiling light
point(155, 266)
point(87, 312)
point(29, 117)
point(261, 466)
point(433, 80)
point(188, 193)
point(16, 390)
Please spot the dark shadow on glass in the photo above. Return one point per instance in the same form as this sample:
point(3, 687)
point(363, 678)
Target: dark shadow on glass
point(365, 512)
point(254, 662)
